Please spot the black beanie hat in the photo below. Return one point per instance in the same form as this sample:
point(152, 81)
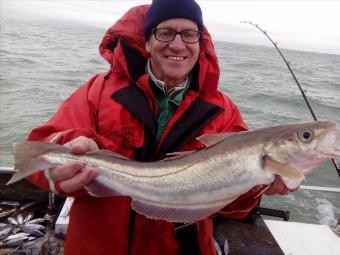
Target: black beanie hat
point(161, 10)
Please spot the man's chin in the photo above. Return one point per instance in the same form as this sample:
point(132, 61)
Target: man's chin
point(174, 80)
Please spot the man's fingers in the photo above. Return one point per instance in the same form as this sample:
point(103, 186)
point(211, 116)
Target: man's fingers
point(278, 187)
point(73, 176)
point(81, 145)
point(79, 180)
point(66, 171)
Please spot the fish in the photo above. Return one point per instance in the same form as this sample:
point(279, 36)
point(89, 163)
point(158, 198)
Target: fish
point(35, 221)
point(13, 221)
point(6, 213)
point(16, 241)
point(28, 217)
point(5, 231)
point(10, 203)
point(35, 226)
point(25, 206)
point(20, 218)
point(32, 230)
point(188, 187)
point(19, 235)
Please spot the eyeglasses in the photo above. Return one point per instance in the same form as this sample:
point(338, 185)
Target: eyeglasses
point(168, 35)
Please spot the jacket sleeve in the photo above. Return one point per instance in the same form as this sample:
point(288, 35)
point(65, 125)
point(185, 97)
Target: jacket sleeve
point(75, 117)
point(240, 207)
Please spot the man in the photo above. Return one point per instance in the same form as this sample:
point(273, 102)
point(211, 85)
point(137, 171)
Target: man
point(157, 97)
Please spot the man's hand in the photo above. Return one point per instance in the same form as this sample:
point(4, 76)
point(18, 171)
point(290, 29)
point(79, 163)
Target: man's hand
point(278, 187)
point(69, 176)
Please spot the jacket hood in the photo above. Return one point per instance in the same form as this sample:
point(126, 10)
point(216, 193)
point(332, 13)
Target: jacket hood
point(128, 32)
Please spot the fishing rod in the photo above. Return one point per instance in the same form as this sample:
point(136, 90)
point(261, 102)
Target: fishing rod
point(296, 80)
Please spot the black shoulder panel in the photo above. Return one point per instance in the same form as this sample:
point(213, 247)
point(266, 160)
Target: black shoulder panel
point(136, 102)
point(132, 98)
point(135, 61)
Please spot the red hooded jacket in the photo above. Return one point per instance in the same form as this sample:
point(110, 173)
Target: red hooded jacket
point(118, 111)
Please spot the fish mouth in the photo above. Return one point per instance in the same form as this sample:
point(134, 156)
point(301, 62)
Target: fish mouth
point(330, 146)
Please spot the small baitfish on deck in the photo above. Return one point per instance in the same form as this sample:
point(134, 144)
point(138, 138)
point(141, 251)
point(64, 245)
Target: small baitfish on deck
point(190, 187)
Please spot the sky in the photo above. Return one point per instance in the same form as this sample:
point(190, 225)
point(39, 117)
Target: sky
point(307, 25)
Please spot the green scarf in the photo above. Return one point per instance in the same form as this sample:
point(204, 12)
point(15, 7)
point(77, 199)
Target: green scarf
point(167, 100)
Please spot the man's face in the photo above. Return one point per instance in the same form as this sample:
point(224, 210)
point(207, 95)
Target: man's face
point(172, 61)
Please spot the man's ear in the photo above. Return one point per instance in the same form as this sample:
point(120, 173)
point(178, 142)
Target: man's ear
point(148, 46)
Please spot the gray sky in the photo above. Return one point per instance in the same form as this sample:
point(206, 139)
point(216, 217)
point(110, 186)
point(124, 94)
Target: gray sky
point(303, 25)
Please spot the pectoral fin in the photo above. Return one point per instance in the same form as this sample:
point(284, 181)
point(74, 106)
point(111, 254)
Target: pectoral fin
point(177, 155)
point(106, 155)
point(282, 170)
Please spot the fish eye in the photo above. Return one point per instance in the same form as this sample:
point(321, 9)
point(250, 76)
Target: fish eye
point(306, 135)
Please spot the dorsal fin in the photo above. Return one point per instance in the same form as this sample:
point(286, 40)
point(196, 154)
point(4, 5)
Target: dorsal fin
point(212, 139)
point(106, 154)
point(177, 155)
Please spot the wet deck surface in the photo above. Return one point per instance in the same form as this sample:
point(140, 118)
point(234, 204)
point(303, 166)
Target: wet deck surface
point(21, 190)
point(250, 237)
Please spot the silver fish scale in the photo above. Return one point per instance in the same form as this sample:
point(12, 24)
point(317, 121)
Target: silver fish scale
point(156, 180)
point(144, 169)
point(196, 183)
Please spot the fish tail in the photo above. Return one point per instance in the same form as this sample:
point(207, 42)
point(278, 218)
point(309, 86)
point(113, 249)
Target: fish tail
point(28, 160)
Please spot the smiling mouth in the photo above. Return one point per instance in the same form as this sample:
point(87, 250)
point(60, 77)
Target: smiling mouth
point(175, 58)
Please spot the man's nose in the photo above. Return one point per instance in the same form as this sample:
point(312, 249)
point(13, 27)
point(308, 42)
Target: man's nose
point(177, 43)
